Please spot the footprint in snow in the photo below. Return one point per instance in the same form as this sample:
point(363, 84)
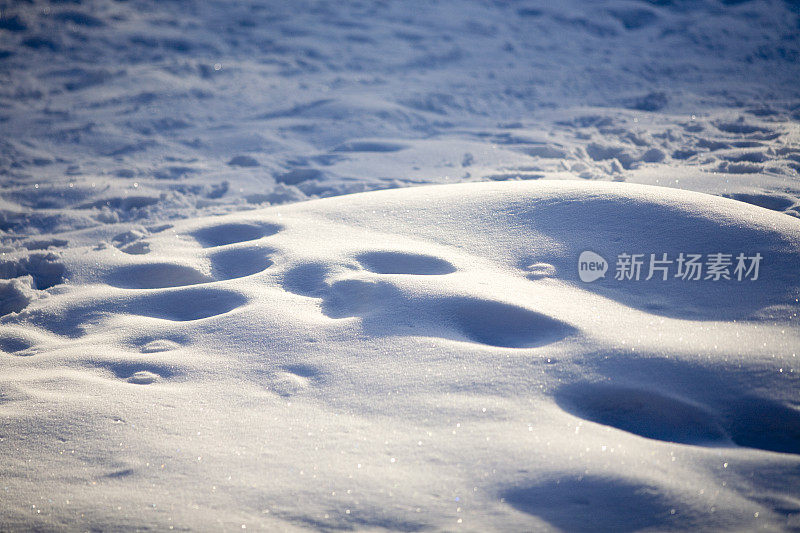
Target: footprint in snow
point(14, 345)
point(382, 305)
point(226, 264)
point(390, 262)
point(293, 379)
point(645, 413)
point(239, 262)
point(143, 377)
point(540, 270)
point(179, 305)
point(191, 303)
point(159, 345)
point(598, 503)
point(746, 421)
point(224, 234)
point(155, 276)
point(135, 372)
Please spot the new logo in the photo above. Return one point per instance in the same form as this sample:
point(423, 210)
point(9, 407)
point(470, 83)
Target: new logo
point(591, 266)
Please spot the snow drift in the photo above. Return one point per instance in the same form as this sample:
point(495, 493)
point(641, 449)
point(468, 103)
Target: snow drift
point(412, 359)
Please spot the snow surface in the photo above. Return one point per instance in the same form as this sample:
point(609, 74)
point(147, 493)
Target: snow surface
point(214, 316)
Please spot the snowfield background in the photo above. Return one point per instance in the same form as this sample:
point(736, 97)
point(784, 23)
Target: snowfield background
point(203, 328)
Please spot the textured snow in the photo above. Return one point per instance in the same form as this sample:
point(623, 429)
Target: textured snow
point(314, 265)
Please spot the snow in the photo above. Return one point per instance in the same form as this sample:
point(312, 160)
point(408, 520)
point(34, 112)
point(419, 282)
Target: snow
point(261, 357)
point(315, 265)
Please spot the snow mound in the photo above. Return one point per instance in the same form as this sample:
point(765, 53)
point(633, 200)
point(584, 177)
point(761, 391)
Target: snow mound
point(411, 359)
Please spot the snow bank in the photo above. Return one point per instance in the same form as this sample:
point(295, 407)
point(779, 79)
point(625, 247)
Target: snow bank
point(410, 359)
